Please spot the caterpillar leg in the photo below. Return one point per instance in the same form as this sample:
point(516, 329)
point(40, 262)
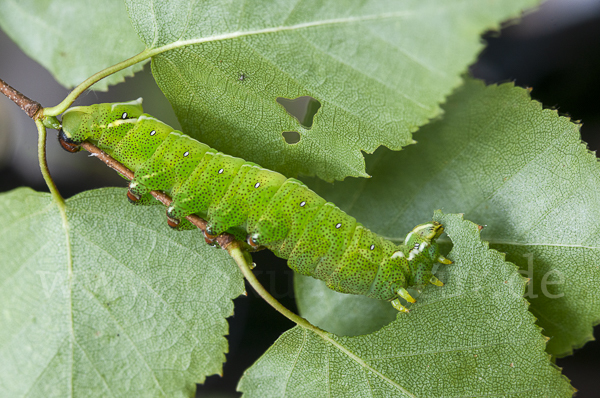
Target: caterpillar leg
point(179, 224)
point(176, 214)
point(428, 277)
point(137, 191)
point(252, 241)
point(397, 305)
point(402, 292)
point(141, 196)
point(146, 199)
point(67, 143)
point(443, 260)
point(210, 239)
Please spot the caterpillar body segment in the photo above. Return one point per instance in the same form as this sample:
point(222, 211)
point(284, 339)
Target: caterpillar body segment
point(260, 205)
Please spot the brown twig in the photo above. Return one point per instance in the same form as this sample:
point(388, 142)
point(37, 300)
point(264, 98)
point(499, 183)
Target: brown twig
point(30, 106)
point(223, 239)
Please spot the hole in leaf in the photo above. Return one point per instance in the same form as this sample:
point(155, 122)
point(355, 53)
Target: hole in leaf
point(303, 109)
point(291, 137)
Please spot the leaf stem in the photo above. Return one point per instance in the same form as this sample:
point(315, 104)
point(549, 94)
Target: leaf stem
point(87, 83)
point(44, 164)
point(238, 256)
point(150, 52)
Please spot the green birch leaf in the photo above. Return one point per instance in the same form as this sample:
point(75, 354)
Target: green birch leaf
point(473, 337)
point(520, 170)
point(342, 314)
point(73, 39)
point(378, 68)
point(110, 303)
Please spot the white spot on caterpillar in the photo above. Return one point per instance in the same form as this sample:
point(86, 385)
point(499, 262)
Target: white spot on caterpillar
point(372, 247)
point(302, 204)
point(220, 171)
point(397, 254)
point(124, 115)
point(186, 154)
point(338, 225)
point(117, 122)
point(257, 185)
point(153, 132)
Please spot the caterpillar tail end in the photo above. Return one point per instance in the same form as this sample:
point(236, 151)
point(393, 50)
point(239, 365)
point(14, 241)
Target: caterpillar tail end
point(397, 305)
point(67, 143)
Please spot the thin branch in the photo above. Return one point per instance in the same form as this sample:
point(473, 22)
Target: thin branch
point(30, 106)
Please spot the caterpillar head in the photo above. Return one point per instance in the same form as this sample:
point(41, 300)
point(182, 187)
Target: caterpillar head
point(84, 122)
point(422, 242)
point(427, 232)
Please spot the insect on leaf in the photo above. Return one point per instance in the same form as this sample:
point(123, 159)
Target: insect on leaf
point(475, 337)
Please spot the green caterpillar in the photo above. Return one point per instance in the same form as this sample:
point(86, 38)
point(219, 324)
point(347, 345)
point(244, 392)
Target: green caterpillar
point(260, 205)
